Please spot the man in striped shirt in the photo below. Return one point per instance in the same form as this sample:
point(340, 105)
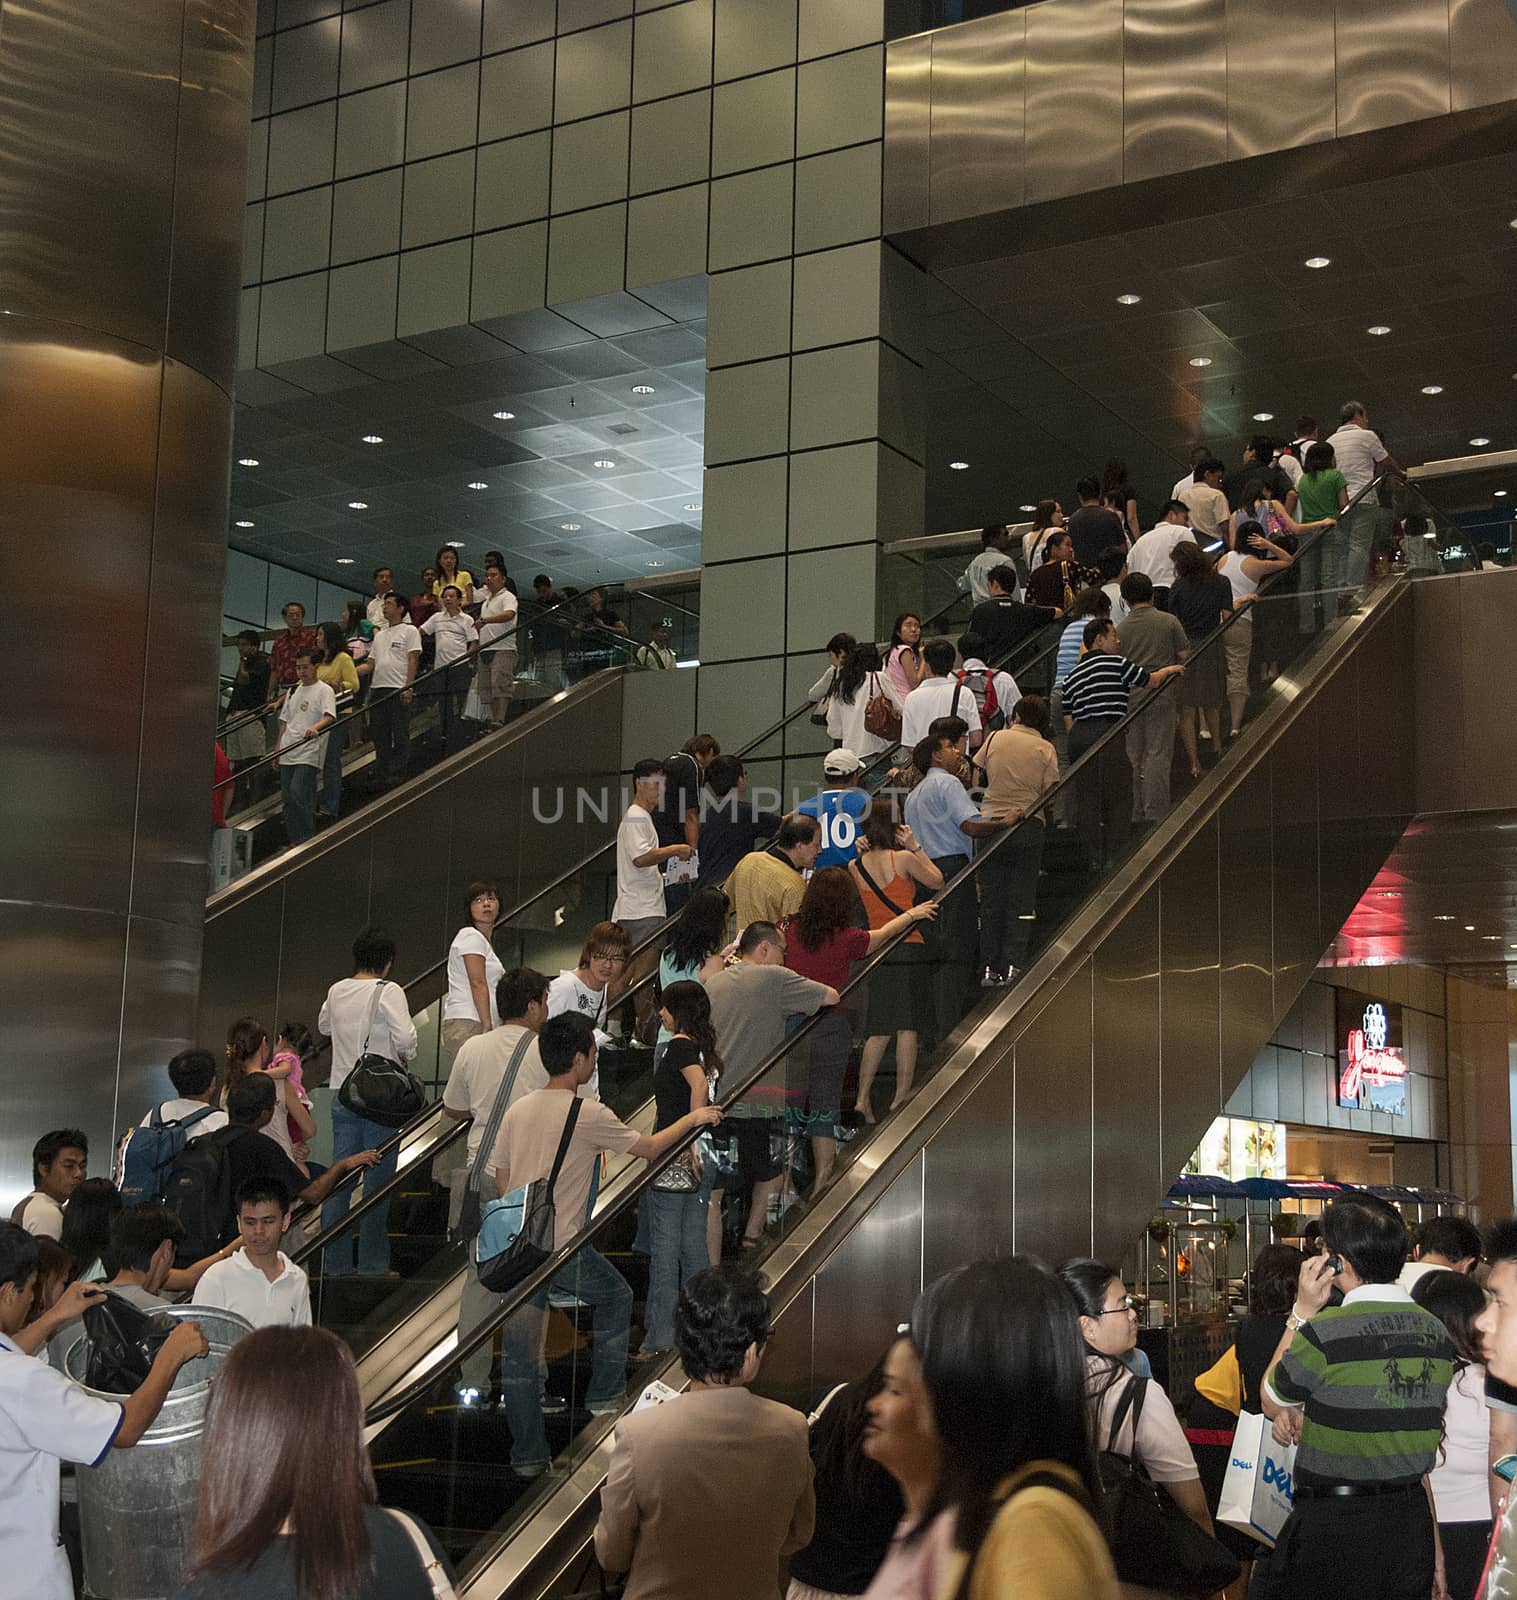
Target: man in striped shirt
point(1362, 1386)
point(1096, 696)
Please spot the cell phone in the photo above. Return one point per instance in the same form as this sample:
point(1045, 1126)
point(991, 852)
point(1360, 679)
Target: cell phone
point(1505, 1467)
point(1335, 1265)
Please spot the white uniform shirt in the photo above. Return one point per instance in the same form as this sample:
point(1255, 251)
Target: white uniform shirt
point(390, 652)
point(933, 698)
point(639, 890)
point(241, 1286)
point(345, 1017)
point(304, 706)
point(501, 607)
point(44, 1419)
point(454, 635)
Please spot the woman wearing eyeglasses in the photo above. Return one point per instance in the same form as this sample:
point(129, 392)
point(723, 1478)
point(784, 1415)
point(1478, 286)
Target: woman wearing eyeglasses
point(710, 1493)
point(1109, 1327)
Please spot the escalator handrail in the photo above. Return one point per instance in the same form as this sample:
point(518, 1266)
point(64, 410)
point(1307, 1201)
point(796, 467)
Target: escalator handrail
point(631, 1196)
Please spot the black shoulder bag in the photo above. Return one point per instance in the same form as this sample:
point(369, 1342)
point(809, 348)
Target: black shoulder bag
point(379, 1089)
point(533, 1243)
point(1153, 1542)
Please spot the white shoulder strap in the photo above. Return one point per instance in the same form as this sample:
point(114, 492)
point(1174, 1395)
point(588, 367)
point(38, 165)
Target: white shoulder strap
point(437, 1576)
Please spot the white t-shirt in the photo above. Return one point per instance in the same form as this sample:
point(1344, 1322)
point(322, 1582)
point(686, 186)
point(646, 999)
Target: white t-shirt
point(1460, 1478)
point(1182, 484)
point(389, 652)
point(1153, 554)
point(454, 635)
point(478, 1070)
point(1113, 592)
point(375, 611)
point(931, 699)
point(567, 993)
point(345, 1020)
point(1358, 452)
point(241, 1286)
point(501, 606)
point(639, 890)
point(179, 1109)
point(42, 1216)
point(845, 718)
point(304, 706)
point(44, 1419)
point(459, 1006)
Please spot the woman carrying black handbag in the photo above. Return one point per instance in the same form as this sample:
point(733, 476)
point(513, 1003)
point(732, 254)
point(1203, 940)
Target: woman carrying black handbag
point(1155, 1509)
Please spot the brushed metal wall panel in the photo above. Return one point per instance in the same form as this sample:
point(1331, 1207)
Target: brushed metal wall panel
point(1299, 938)
point(1074, 97)
point(977, 127)
point(60, 1060)
point(1393, 63)
point(1126, 1170)
point(908, 132)
point(1245, 861)
point(1174, 86)
point(1338, 788)
point(1190, 1025)
point(1487, 697)
point(1442, 727)
point(1482, 52)
point(71, 738)
point(315, 943)
point(789, 1371)
point(1051, 1135)
point(217, 73)
point(183, 648)
point(90, 100)
point(239, 966)
point(157, 1012)
point(866, 1288)
point(1269, 109)
point(414, 906)
point(968, 1207)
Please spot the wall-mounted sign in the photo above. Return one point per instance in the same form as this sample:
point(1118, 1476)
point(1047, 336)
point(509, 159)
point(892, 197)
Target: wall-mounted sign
point(1371, 1066)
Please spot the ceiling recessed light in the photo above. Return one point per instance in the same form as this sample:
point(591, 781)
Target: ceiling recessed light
point(1480, 441)
point(1264, 416)
point(1319, 261)
point(455, 544)
point(569, 527)
point(1445, 916)
point(654, 563)
point(477, 484)
point(242, 522)
point(1492, 937)
point(692, 505)
point(1499, 493)
point(605, 463)
point(1469, 927)
point(1200, 361)
point(958, 466)
point(1129, 299)
point(247, 461)
point(1512, 223)
point(358, 505)
point(373, 438)
point(1027, 508)
point(344, 561)
point(1432, 388)
point(1379, 330)
point(642, 388)
point(505, 416)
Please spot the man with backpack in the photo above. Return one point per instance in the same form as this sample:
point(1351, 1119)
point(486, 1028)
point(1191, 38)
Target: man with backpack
point(938, 695)
point(151, 1149)
point(209, 1172)
point(995, 691)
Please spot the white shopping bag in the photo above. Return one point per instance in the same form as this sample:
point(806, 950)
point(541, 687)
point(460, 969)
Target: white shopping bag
point(1256, 1493)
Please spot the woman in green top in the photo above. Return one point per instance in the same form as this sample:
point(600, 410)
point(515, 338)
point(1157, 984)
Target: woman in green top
point(1321, 490)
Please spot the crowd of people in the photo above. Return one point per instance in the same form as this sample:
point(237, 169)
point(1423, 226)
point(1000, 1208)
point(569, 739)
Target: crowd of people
point(454, 648)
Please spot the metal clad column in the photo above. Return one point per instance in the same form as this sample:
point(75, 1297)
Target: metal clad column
point(123, 144)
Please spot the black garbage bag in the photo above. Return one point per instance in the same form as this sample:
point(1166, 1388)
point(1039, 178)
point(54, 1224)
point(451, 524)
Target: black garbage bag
point(122, 1341)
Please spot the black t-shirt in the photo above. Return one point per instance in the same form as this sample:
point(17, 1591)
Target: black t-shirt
point(671, 1089)
point(1198, 603)
point(682, 793)
point(1003, 623)
point(1094, 529)
point(726, 838)
point(1275, 480)
point(397, 1572)
point(255, 1155)
point(253, 694)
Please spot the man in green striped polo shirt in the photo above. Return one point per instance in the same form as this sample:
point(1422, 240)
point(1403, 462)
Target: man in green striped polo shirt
point(1361, 1385)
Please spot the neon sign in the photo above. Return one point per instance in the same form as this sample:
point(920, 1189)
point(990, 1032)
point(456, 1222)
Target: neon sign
point(1374, 1070)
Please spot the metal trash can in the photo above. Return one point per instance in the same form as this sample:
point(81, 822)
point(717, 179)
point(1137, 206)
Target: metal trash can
point(137, 1507)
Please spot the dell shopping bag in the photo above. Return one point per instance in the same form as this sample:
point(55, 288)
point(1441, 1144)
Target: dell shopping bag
point(1256, 1493)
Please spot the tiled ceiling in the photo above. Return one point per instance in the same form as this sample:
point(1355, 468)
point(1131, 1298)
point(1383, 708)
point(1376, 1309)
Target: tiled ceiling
point(1432, 256)
point(1447, 897)
point(545, 501)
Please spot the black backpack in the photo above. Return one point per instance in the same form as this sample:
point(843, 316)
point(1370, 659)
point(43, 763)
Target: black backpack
point(199, 1192)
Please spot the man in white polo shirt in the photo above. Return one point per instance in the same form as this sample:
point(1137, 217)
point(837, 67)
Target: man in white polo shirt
point(1359, 455)
point(260, 1282)
point(394, 657)
point(1153, 554)
point(45, 1419)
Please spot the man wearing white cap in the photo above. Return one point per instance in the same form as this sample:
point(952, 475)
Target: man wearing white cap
point(839, 808)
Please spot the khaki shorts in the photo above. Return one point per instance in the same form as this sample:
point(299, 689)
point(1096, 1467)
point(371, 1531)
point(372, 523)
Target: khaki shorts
point(497, 673)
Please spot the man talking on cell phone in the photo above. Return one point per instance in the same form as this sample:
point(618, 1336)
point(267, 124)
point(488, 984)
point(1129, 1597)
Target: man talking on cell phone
point(1361, 1387)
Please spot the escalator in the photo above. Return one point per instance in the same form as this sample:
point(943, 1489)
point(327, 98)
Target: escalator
point(1054, 1114)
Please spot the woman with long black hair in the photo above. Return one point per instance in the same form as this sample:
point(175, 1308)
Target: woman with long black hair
point(288, 1509)
point(861, 679)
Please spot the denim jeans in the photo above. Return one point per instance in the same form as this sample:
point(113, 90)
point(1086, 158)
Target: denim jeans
point(297, 785)
point(677, 1223)
point(331, 770)
point(1009, 889)
point(350, 1134)
point(588, 1277)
